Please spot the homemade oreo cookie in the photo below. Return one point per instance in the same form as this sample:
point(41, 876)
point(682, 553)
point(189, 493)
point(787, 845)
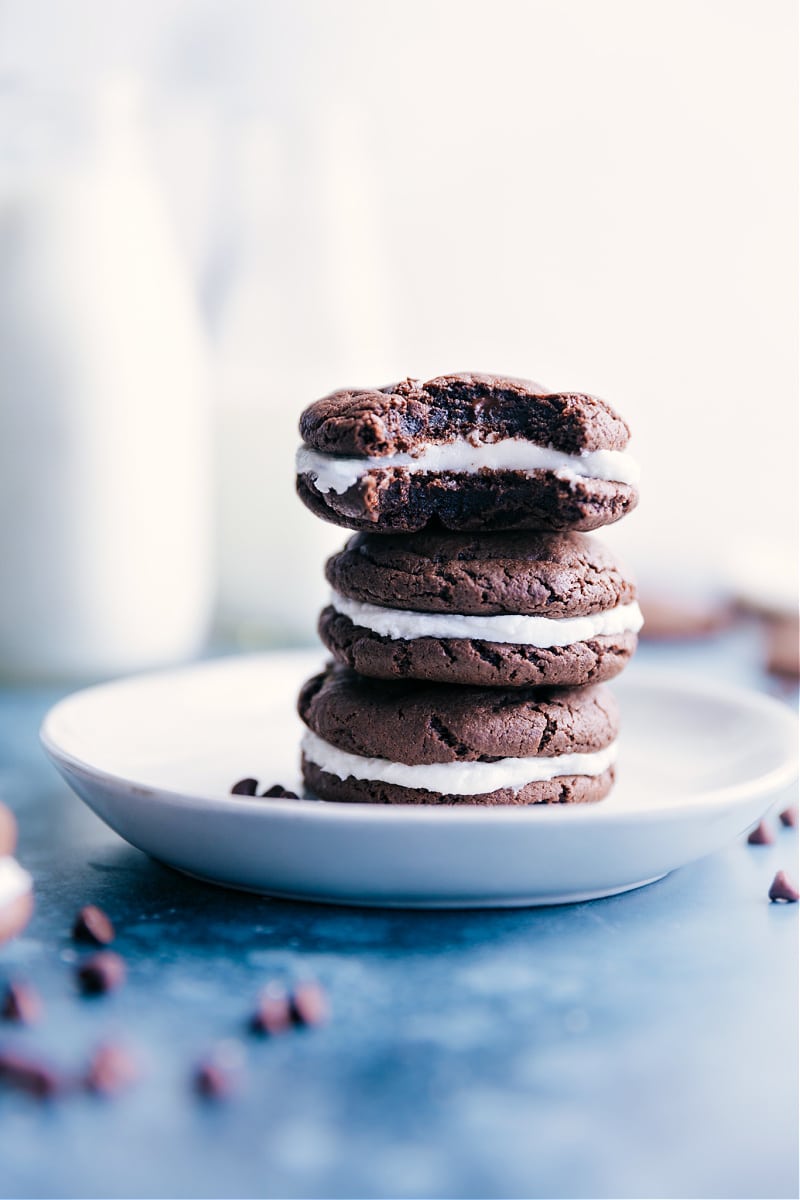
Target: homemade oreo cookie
point(467, 452)
point(512, 609)
point(413, 743)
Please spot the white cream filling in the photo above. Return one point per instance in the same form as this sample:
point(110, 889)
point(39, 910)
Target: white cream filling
point(332, 473)
point(14, 881)
point(542, 632)
point(455, 778)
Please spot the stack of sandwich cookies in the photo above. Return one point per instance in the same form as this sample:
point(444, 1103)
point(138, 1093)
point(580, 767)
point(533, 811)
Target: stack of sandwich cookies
point(471, 619)
point(16, 886)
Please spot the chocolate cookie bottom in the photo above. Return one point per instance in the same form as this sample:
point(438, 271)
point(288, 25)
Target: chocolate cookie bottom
point(566, 789)
point(399, 501)
point(473, 661)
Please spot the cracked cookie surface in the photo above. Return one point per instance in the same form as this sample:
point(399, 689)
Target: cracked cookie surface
point(413, 722)
point(421, 724)
point(396, 418)
point(376, 425)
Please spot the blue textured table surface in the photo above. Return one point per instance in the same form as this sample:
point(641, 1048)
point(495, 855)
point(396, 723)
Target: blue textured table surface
point(639, 1046)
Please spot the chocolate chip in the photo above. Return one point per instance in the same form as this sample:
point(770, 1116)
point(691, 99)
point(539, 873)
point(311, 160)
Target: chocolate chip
point(782, 889)
point(789, 817)
point(213, 1081)
point(309, 1004)
point(760, 836)
point(21, 1003)
point(279, 792)
point(112, 1068)
point(103, 972)
point(249, 787)
point(29, 1075)
point(245, 787)
point(274, 1011)
point(92, 925)
point(218, 1076)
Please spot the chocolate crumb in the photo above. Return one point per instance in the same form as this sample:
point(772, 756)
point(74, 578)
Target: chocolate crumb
point(245, 787)
point(112, 1068)
point(309, 1004)
point(783, 889)
point(29, 1075)
point(103, 972)
point(279, 792)
point(21, 1003)
point(274, 1011)
point(93, 925)
point(760, 836)
point(789, 817)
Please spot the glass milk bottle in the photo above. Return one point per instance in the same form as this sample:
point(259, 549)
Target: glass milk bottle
point(104, 421)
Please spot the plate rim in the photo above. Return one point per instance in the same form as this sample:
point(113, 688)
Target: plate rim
point(648, 679)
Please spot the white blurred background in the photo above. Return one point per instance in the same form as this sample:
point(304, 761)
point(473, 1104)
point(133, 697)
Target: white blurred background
point(213, 212)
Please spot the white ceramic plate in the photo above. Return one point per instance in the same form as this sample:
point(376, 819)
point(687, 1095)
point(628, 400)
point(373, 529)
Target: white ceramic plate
point(156, 755)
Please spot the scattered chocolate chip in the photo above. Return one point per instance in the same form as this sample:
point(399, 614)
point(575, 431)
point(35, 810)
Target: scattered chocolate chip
point(279, 792)
point(789, 817)
point(245, 787)
point(274, 1011)
point(309, 1004)
point(29, 1075)
point(213, 1081)
point(92, 925)
point(219, 1076)
point(21, 1003)
point(249, 787)
point(760, 836)
point(103, 972)
point(112, 1068)
point(782, 889)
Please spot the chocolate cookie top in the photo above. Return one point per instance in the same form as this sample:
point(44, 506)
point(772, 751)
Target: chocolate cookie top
point(423, 723)
point(540, 574)
point(400, 417)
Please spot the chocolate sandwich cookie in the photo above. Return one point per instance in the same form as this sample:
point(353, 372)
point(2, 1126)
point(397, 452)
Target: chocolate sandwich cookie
point(512, 609)
point(467, 452)
point(415, 743)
